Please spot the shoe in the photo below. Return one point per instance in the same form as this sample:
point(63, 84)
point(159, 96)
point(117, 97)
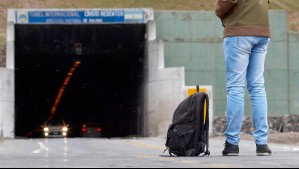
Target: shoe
point(263, 150)
point(230, 149)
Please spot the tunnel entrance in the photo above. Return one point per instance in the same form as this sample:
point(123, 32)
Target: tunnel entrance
point(80, 73)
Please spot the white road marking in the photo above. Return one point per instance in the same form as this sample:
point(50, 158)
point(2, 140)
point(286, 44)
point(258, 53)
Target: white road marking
point(42, 147)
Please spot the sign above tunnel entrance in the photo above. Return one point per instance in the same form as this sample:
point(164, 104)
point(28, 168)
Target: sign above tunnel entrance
point(94, 16)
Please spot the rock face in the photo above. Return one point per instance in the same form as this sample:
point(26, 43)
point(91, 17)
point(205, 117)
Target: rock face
point(277, 124)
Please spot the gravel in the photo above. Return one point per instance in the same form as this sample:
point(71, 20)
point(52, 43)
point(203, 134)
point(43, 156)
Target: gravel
point(278, 138)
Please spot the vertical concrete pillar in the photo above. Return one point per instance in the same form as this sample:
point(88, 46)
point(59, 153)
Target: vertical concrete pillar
point(7, 112)
point(10, 39)
point(7, 94)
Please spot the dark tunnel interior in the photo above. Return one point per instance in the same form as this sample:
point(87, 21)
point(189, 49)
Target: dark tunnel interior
point(80, 73)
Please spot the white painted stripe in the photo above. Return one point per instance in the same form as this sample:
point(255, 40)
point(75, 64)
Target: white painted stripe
point(42, 147)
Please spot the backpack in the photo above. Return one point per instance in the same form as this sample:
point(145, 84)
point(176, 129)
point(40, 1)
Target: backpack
point(188, 135)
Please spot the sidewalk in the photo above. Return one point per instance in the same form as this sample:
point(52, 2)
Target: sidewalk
point(283, 155)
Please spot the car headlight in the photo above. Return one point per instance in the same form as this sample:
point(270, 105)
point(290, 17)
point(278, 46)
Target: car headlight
point(64, 129)
point(46, 129)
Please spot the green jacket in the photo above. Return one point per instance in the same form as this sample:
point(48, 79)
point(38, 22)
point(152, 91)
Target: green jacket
point(244, 17)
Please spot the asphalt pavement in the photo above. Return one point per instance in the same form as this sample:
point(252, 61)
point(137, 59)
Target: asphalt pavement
point(133, 153)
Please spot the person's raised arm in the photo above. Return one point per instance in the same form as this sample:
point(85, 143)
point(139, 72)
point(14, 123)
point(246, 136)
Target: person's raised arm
point(222, 7)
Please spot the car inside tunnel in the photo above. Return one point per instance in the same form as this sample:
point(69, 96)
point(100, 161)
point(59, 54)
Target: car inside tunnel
point(77, 74)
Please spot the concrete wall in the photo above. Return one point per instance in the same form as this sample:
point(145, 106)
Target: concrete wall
point(193, 40)
point(294, 72)
point(7, 118)
point(276, 68)
point(165, 90)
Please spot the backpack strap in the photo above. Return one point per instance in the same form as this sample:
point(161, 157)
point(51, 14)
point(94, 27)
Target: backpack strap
point(204, 123)
point(167, 139)
point(207, 152)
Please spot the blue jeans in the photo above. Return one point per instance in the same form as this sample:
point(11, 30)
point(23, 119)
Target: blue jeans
point(245, 59)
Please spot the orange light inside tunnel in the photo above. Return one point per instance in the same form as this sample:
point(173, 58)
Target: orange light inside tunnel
point(77, 63)
point(62, 88)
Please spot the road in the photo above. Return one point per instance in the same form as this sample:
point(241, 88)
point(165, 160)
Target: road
point(133, 153)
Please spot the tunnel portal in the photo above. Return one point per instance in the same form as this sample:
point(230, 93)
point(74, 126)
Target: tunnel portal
point(80, 73)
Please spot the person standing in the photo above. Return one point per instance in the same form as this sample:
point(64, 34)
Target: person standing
point(246, 37)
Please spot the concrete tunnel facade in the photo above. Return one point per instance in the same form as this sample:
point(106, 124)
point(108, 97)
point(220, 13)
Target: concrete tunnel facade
point(121, 81)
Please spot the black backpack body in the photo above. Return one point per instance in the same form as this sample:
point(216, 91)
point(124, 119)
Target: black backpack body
point(188, 135)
